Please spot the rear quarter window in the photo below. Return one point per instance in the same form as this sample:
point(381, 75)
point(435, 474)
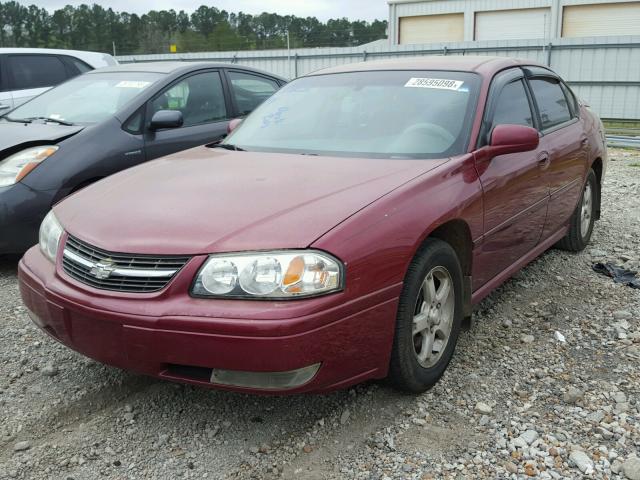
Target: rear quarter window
point(80, 65)
point(573, 101)
point(249, 90)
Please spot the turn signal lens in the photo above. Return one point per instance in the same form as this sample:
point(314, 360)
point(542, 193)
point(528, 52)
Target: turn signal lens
point(42, 153)
point(269, 275)
point(25, 170)
point(306, 273)
point(19, 165)
point(294, 272)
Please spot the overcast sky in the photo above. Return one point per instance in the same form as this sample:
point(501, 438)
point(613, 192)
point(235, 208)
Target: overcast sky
point(322, 9)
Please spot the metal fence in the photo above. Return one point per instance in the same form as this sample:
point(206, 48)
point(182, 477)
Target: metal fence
point(605, 71)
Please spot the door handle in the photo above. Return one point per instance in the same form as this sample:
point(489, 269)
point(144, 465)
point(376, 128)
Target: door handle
point(4, 107)
point(544, 161)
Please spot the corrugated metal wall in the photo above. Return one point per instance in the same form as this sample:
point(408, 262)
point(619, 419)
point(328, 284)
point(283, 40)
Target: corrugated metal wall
point(605, 71)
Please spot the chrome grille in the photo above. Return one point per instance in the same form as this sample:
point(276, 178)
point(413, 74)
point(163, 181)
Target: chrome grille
point(118, 271)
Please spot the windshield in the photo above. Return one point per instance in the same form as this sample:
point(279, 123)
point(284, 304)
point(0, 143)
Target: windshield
point(89, 98)
point(378, 114)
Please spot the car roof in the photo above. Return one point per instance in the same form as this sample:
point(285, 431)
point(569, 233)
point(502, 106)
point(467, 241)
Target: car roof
point(171, 67)
point(95, 59)
point(483, 65)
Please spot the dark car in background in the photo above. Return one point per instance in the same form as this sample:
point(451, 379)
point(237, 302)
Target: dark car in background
point(108, 120)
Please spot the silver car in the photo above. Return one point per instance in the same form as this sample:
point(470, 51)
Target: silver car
point(27, 72)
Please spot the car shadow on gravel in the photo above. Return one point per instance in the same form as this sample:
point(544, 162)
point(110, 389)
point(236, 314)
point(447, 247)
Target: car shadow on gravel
point(9, 264)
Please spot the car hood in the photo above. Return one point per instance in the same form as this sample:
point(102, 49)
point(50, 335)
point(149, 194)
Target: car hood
point(210, 200)
point(13, 136)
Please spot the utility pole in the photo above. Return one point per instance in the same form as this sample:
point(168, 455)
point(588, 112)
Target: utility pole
point(114, 48)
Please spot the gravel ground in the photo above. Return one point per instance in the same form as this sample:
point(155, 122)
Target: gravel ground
point(516, 401)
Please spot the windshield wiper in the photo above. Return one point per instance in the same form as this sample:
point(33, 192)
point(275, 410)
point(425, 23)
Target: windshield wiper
point(229, 146)
point(16, 120)
point(49, 119)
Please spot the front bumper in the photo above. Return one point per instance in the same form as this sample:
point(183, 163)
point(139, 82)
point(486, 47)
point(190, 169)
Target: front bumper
point(351, 340)
point(21, 212)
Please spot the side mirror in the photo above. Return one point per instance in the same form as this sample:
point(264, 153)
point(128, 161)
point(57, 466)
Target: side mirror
point(233, 124)
point(512, 139)
point(166, 119)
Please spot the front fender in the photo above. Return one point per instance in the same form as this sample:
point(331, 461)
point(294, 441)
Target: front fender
point(379, 242)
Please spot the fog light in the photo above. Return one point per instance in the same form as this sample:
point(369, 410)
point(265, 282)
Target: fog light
point(265, 380)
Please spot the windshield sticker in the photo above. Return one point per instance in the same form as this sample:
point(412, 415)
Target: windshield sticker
point(437, 83)
point(274, 118)
point(132, 84)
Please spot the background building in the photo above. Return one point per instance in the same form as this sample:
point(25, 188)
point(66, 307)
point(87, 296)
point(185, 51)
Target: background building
point(436, 21)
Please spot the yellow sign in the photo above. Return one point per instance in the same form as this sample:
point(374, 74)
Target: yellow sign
point(173, 48)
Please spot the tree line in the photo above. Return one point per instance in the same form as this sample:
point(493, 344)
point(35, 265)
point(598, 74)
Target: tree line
point(92, 27)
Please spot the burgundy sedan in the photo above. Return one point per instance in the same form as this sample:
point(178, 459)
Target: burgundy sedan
point(341, 233)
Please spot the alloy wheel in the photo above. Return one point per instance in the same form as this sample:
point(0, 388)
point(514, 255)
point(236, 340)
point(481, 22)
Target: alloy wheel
point(433, 316)
point(587, 210)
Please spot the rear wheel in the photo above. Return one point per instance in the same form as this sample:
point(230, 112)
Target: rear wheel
point(429, 318)
point(583, 218)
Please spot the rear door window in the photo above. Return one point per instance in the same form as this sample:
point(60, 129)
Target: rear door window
point(249, 91)
point(552, 103)
point(35, 71)
point(75, 66)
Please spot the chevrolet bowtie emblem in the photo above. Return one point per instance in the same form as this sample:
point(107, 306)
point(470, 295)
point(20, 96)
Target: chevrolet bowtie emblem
point(103, 269)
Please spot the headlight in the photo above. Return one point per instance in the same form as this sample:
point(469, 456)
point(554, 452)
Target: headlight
point(17, 166)
point(281, 274)
point(50, 233)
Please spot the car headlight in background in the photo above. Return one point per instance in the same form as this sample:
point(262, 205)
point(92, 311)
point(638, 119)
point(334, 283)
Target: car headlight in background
point(17, 166)
point(50, 233)
point(279, 274)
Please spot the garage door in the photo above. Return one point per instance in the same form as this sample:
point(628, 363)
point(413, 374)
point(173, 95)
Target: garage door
point(513, 24)
point(602, 19)
point(432, 28)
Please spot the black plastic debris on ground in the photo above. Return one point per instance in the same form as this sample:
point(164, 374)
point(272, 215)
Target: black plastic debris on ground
point(619, 274)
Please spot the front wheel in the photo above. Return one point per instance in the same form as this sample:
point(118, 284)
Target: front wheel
point(429, 318)
point(583, 218)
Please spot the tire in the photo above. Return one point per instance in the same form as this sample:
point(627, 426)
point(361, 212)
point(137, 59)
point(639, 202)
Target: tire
point(583, 218)
point(420, 357)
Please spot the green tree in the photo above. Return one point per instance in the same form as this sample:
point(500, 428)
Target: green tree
point(92, 27)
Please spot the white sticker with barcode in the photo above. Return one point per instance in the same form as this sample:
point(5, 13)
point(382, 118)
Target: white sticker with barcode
point(438, 83)
point(132, 84)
